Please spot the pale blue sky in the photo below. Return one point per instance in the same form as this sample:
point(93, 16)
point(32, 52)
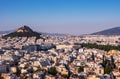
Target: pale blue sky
point(60, 16)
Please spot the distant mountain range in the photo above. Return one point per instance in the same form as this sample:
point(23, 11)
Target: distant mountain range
point(111, 31)
point(6, 32)
point(28, 31)
point(53, 34)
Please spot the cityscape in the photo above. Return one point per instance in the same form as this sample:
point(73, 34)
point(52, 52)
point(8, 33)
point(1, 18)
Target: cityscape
point(59, 39)
point(25, 54)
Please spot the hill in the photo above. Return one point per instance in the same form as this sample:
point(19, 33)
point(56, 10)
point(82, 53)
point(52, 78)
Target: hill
point(111, 31)
point(23, 31)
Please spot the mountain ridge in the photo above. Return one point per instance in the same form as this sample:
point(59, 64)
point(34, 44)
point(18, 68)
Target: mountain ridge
point(111, 31)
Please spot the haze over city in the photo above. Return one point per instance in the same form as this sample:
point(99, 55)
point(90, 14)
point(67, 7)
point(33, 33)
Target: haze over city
point(60, 16)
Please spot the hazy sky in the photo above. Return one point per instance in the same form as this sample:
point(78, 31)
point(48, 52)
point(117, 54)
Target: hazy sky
point(60, 16)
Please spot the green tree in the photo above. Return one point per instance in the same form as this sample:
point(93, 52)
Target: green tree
point(81, 69)
point(107, 70)
point(52, 71)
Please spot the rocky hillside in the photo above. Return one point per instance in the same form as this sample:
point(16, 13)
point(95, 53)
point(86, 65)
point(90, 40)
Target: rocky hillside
point(23, 31)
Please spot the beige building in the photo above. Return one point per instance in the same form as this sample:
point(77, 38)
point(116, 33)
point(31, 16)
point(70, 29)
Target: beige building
point(62, 70)
point(92, 77)
point(64, 46)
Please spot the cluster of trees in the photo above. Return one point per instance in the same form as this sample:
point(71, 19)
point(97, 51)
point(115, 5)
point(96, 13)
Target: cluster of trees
point(108, 65)
point(101, 47)
point(52, 71)
point(81, 69)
